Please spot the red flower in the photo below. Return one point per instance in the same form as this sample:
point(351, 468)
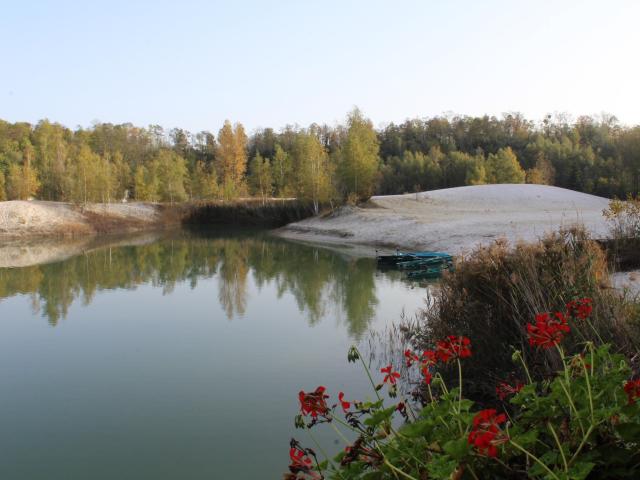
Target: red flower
point(580, 308)
point(299, 460)
point(503, 389)
point(301, 464)
point(429, 357)
point(453, 347)
point(547, 331)
point(391, 377)
point(486, 434)
point(314, 403)
point(345, 405)
point(410, 357)
point(632, 389)
point(426, 374)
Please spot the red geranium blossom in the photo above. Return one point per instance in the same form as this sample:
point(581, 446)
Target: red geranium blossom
point(426, 374)
point(410, 357)
point(345, 405)
point(301, 464)
point(486, 434)
point(581, 308)
point(314, 403)
point(429, 357)
point(391, 377)
point(548, 331)
point(503, 389)
point(632, 389)
point(453, 347)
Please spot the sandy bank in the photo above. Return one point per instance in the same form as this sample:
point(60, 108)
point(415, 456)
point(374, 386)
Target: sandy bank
point(455, 219)
point(22, 219)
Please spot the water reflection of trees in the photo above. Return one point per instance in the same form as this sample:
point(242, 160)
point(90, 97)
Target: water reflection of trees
point(315, 277)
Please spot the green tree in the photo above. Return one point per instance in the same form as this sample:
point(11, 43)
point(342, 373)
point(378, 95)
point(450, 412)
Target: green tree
point(145, 184)
point(503, 167)
point(281, 172)
point(22, 181)
point(91, 179)
point(313, 171)
point(121, 177)
point(231, 158)
point(203, 182)
point(171, 173)
point(3, 195)
point(358, 157)
point(260, 179)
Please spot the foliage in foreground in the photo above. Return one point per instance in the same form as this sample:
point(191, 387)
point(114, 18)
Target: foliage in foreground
point(581, 422)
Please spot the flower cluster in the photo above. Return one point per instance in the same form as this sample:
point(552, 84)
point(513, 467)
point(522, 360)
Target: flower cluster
point(580, 308)
point(486, 434)
point(548, 331)
point(301, 466)
point(453, 347)
point(632, 389)
point(314, 403)
point(503, 389)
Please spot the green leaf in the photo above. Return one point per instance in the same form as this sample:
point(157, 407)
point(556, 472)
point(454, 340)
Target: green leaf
point(580, 470)
point(441, 467)
point(380, 416)
point(629, 431)
point(457, 449)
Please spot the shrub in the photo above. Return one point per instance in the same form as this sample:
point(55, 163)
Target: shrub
point(581, 422)
point(496, 290)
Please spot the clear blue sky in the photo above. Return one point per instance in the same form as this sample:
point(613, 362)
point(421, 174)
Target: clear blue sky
point(271, 63)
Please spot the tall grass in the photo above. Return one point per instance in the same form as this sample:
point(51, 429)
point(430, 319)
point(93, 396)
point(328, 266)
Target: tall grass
point(496, 290)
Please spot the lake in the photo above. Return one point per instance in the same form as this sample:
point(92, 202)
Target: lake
point(180, 356)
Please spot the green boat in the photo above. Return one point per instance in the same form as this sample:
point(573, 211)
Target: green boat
point(422, 264)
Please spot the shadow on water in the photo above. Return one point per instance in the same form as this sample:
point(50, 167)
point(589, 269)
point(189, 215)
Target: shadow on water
point(316, 277)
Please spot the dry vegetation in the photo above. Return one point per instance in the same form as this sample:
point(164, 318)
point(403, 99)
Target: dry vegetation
point(496, 290)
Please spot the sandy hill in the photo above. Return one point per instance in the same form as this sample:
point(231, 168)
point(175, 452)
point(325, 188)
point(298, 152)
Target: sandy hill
point(456, 219)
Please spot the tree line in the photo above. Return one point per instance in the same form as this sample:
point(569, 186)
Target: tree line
point(318, 164)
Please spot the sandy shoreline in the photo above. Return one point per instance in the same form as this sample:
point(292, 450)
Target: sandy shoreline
point(33, 219)
point(456, 219)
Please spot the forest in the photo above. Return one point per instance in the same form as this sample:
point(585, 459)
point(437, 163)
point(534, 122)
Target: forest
point(320, 164)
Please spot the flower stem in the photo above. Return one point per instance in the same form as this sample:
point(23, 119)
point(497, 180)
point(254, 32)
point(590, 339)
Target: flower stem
point(555, 437)
point(460, 386)
point(397, 470)
point(586, 376)
point(535, 459)
point(524, 365)
point(366, 369)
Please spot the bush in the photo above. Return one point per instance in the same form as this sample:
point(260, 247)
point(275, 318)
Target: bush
point(581, 422)
point(496, 290)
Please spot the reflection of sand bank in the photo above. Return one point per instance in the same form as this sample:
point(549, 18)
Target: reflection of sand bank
point(456, 219)
point(25, 253)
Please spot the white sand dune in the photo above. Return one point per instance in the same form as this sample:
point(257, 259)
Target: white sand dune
point(456, 219)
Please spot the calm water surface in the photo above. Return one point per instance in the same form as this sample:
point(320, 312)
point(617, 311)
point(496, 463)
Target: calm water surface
point(181, 358)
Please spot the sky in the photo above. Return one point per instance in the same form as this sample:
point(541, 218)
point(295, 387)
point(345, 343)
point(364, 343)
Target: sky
point(193, 64)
